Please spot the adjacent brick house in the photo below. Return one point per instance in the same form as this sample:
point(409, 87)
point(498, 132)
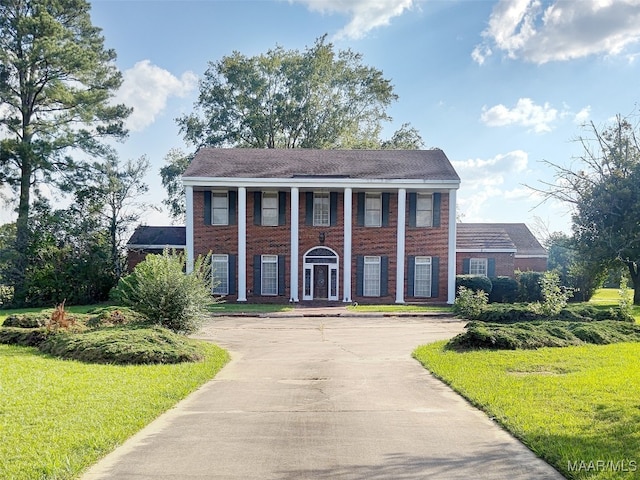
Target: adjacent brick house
point(344, 225)
point(151, 239)
point(498, 249)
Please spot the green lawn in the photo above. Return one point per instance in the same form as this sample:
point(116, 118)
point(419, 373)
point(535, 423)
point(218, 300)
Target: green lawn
point(57, 417)
point(576, 407)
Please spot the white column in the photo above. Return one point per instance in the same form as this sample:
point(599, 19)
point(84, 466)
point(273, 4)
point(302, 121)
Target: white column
point(242, 244)
point(400, 242)
point(295, 205)
point(346, 284)
point(189, 228)
point(451, 272)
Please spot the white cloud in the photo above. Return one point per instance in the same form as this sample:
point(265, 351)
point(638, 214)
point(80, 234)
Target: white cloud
point(147, 87)
point(560, 31)
point(365, 14)
point(525, 113)
point(583, 115)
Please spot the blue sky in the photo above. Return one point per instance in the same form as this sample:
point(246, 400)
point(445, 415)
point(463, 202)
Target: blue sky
point(498, 85)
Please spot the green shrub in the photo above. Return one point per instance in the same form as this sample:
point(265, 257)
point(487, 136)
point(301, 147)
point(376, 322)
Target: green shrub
point(25, 337)
point(470, 304)
point(529, 289)
point(474, 282)
point(28, 320)
point(554, 297)
point(159, 289)
point(532, 335)
point(504, 290)
point(113, 316)
point(123, 346)
point(520, 312)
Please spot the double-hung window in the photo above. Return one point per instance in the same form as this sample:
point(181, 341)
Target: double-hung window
point(270, 208)
point(219, 208)
point(321, 209)
point(220, 274)
point(269, 272)
point(422, 279)
point(478, 266)
point(424, 210)
point(371, 277)
point(373, 210)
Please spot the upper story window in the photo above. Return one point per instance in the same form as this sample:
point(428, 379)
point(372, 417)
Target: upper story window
point(478, 266)
point(270, 208)
point(373, 210)
point(321, 209)
point(424, 210)
point(219, 208)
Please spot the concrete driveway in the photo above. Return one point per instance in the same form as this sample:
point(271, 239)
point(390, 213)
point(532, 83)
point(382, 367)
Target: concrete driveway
point(323, 398)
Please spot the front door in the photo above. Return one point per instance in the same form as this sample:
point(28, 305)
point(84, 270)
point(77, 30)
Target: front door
point(320, 281)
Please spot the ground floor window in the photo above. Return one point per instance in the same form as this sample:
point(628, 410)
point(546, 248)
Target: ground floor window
point(478, 266)
point(269, 279)
point(220, 274)
point(422, 279)
point(371, 277)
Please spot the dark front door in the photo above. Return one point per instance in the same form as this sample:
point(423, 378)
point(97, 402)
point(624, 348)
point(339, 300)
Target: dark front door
point(321, 281)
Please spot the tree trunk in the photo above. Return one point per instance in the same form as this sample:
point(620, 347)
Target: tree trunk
point(22, 230)
point(635, 280)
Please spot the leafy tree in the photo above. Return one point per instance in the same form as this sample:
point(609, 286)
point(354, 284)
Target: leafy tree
point(56, 84)
point(318, 98)
point(406, 138)
point(110, 190)
point(605, 195)
point(177, 162)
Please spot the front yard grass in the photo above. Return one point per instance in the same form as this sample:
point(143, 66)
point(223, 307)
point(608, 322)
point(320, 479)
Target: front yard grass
point(57, 417)
point(576, 407)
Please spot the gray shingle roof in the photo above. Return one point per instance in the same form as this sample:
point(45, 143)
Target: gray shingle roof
point(158, 236)
point(297, 163)
point(498, 236)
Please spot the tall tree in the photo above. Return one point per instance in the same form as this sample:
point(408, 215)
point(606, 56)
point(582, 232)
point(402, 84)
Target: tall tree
point(318, 98)
point(177, 162)
point(605, 195)
point(56, 83)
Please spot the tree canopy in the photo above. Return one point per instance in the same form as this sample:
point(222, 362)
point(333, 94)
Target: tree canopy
point(317, 98)
point(56, 85)
point(605, 195)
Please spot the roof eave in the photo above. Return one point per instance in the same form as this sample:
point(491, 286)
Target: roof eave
point(320, 182)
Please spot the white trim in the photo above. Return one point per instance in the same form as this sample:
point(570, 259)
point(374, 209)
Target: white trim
point(486, 250)
point(189, 228)
point(322, 182)
point(242, 244)
point(295, 238)
point(348, 220)
point(332, 267)
point(400, 244)
point(531, 256)
point(451, 256)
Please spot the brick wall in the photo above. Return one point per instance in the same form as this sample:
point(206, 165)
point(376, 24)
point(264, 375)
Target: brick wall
point(377, 241)
point(531, 264)
point(504, 262)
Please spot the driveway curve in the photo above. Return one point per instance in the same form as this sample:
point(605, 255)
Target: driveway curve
point(323, 398)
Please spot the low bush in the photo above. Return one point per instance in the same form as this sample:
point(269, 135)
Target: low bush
point(530, 289)
point(504, 290)
point(28, 320)
point(25, 337)
point(470, 304)
point(123, 346)
point(113, 316)
point(474, 282)
point(533, 335)
point(519, 312)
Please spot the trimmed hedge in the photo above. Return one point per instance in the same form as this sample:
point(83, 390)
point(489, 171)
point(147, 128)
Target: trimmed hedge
point(533, 335)
point(504, 290)
point(474, 282)
point(124, 346)
point(28, 320)
point(25, 337)
point(518, 312)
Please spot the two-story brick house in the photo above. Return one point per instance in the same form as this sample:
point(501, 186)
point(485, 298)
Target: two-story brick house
point(344, 225)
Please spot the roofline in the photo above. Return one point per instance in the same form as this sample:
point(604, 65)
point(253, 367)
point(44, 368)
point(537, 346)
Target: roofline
point(534, 255)
point(486, 250)
point(310, 182)
point(154, 246)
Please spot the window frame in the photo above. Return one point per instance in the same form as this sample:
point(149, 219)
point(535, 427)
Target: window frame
point(220, 208)
point(476, 265)
point(368, 289)
point(321, 201)
point(224, 282)
point(423, 279)
point(273, 210)
point(377, 210)
point(264, 261)
point(427, 213)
